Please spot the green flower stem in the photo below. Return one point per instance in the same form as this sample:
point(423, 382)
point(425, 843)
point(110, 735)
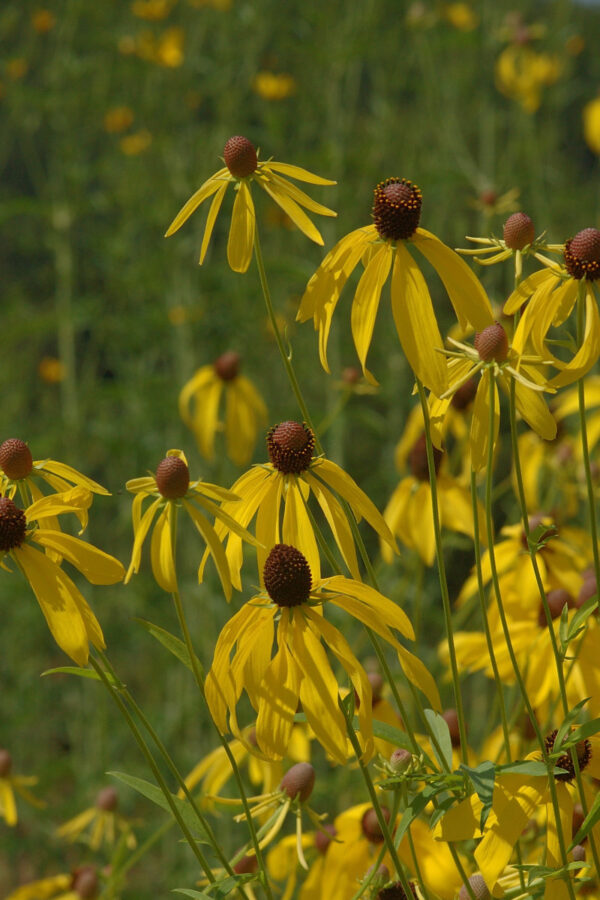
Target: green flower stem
point(200, 682)
point(442, 576)
point(169, 761)
point(585, 448)
point(411, 844)
point(285, 356)
point(372, 874)
point(195, 847)
point(385, 828)
point(506, 630)
point(486, 626)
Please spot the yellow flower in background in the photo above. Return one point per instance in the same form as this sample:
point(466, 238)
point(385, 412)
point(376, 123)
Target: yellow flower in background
point(383, 248)
point(69, 618)
point(591, 124)
point(169, 490)
point(169, 48)
point(134, 144)
point(152, 10)
point(43, 20)
point(289, 479)
point(242, 169)
point(245, 410)
point(81, 883)
point(461, 16)
point(17, 68)
point(118, 119)
point(291, 609)
point(552, 293)
point(9, 783)
point(272, 86)
point(103, 822)
point(51, 370)
point(522, 73)
point(567, 404)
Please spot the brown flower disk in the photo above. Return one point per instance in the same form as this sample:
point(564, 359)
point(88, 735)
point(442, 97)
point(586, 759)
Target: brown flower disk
point(419, 466)
point(240, 156)
point(227, 366)
point(519, 231)
point(582, 254)
point(290, 446)
point(287, 576)
point(396, 208)
point(15, 459)
point(492, 343)
point(370, 824)
point(172, 477)
point(13, 525)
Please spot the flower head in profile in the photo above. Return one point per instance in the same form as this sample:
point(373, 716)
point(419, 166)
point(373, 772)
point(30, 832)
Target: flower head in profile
point(288, 480)
point(290, 611)
point(169, 490)
point(70, 619)
point(11, 783)
point(81, 884)
point(245, 410)
point(102, 820)
point(552, 293)
point(518, 240)
point(243, 169)
point(384, 247)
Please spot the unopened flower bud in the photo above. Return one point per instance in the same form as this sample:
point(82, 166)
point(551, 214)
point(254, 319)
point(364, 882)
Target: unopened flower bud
point(370, 824)
point(400, 760)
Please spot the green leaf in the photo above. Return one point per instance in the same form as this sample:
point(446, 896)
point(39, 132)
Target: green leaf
point(584, 731)
point(414, 809)
point(482, 778)
point(83, 673)
point(581, 617)
point(173, 644)
point(391, 734)
point(588, 823)
point(439, 728)
point(567, 723)
point(154, 793)
point(222, 888)
point(540, 536)
point(526, 767)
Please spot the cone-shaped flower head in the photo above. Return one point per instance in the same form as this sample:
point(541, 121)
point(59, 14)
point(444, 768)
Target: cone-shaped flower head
point(287, 576)
point(582, 254)
point(16, 460)
point(519, 231)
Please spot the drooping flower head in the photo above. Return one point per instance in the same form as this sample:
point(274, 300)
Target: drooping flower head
point(290, 611)
point(242, 169)
point(11, 783)
point(103, 821)
point(384, 248)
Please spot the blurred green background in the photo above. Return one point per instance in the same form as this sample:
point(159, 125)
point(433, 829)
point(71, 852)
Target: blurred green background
point(113, 113)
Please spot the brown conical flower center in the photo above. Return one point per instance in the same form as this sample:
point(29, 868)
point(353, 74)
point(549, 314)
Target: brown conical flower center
point(324, 837)
point(85, 882)
point(492, 343)
point(107, 799)
point(465, 394)
point(15, 459)
point(419, 466)
point(287, 576)
point(240, 156)
point(290, 447)
point(172, 477)
point(582, 254)
point(12, 525)
point(299, 781)
point(557, 600)
point(370, 824)
point(396, 892)
point(583, 749)
point(5, 763)
point(396, 208)
point(478, 886)
point(227, 366)
point(518, 231)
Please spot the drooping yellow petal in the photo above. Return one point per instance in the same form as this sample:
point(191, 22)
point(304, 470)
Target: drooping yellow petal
point(8, 807)
point(161, 551)
point(420, 676)
point(588, 353)
point(245, 413)
point(297, 172)
point(297, 528)
point(461, 822)
point(420, 522)
point(470, 301)
point(479, 438)
point(556, 889)
point(146, 484)
point(283, 199)
point(70, 474)
point(241, 232)
point(299, 196)
point(140, 536)
point(267, 522)
point(75, 500)
point(210, 186)
point(532, 407)
point(278, 698)
point(366, 303)
point(528, 287)
point(385, 608)
point(395, 514)
point(214, 545)
point(204, 376)
point(204, 420)
point(213, 212)
point(337, 521)
point(72, 829)
point(97, 566)
point(416, 323)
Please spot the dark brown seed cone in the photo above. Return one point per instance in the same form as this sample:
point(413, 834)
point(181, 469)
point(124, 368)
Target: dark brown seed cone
point(299, 781)
point(396, 208)
point(15, 459)
point(465, 395)
point(324, 837)
point(557, 600)
point(290, 447)
point(419, 466)
point(240, 156)
point(85, 882)
point(478, 886)
point(227, 366)
point(451, 718)
point(5, 763)
point(582, 254)
point(13, 525)
point(492, 343)
point(107, 799)
point(287, 576)
point(172, 477)
point(584, 754)
point(370, 824)
point(246, 865)
point(519, 231)
point(396, 892)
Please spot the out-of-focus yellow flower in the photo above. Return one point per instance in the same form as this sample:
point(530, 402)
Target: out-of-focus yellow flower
point(137, 143)
point(51, 370)
point(151, 10)
point(43, 20)
point(83, 882)
point(461, 16)
point(118, 119)
point(103, 822)
point(169, 48)
point(245, 410)
point(127, 45)
point(522, 73)
point(591, 124)
point(17, 68)
point(10, 783)
point(271, 86)
point(491, 203)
